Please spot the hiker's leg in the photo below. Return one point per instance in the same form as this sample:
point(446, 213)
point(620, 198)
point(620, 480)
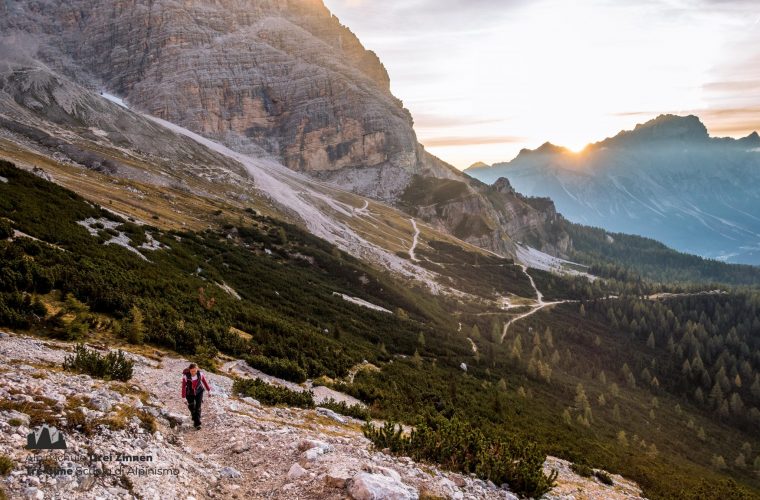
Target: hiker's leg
point(198, 403)
point(191, 405)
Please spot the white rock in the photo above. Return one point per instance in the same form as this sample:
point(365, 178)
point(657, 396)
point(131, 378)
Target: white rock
point(241, 448)
point(296, 472)
point(368, 486)
point(338, 477)
point(101, 403)
point(229, 472)
point(332, 415)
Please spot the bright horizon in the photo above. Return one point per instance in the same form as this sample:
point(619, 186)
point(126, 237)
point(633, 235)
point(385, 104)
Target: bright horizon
point(486, 78)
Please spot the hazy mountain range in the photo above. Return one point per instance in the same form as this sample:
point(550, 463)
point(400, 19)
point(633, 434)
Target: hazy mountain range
point(667, 179)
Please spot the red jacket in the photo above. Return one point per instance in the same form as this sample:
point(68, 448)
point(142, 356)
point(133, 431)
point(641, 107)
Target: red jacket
point(194, 382)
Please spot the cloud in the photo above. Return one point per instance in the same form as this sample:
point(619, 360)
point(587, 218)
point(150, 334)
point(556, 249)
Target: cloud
point(442, 142)
point(430, 120)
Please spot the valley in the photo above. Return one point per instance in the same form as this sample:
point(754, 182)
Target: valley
point(233, 184)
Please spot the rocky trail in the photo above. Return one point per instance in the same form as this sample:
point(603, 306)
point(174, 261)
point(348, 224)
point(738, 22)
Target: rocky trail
point(415, 240)
point(245, 450)
point(539, 305)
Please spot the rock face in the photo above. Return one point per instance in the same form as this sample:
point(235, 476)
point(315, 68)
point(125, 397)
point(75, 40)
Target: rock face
point(279, 75)
point(280, 78)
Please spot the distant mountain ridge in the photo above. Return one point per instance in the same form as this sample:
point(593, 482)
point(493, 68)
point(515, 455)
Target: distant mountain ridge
point(667, 179)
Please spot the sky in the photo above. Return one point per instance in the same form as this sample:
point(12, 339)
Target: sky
point(486, 78)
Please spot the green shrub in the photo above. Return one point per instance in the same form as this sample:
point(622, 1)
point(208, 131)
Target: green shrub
point(6, 465)
point(356, 411)
point(603, 477)
point(15, 422)
point(278, 367)
point(112, 366)
point(582, 470)
point(205, 357)
point(456, 445)
point(6, 230)
point(273, 395)
point(133, 328)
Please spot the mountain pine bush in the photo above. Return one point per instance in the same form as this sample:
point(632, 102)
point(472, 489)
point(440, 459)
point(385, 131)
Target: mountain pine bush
point(456, 445)
point(112, 366)
point(273, 395)
point(278, 367)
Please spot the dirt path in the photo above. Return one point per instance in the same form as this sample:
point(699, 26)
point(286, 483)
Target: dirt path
point(540, 304)
point(414, 241)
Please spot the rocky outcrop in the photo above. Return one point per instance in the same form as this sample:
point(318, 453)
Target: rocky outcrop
point(281, 78)
point(492, 217)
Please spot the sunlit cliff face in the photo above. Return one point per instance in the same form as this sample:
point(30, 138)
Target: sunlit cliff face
point(486, 78)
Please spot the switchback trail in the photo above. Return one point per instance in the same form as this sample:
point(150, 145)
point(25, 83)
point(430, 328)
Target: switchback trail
point(414, 241)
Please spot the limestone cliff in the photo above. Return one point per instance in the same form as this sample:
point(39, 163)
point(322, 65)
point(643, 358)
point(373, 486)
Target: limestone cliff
point(280, 78)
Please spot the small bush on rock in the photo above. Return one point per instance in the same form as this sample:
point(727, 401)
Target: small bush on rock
point(112, 366)
point(6, 465)
point(603, 477)
point(582, 470)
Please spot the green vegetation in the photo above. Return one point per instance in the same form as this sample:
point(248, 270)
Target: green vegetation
point(603, 477)
point(6, 230)
point(278, 367)
point(629, 258)
point(112, 366)
point(273, 395)
point(458, 446)
point(6, 465)
point(597, 380)
point(582, 469)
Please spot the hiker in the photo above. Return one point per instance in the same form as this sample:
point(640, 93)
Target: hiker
point(193, 386)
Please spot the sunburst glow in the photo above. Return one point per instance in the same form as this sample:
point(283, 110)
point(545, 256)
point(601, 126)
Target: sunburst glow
point(485, 78)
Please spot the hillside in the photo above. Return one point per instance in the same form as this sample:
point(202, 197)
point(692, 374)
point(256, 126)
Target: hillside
point(667, 180)
point(247, 450)
point(238, 290)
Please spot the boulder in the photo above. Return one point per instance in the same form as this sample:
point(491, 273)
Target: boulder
point(313, 449)
point(338, 477)
point(296, 472)
point(230, 473)
point(326, 412)
point(366, 486)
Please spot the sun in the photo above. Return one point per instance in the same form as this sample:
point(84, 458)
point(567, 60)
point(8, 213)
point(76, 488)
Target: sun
point(577, 148)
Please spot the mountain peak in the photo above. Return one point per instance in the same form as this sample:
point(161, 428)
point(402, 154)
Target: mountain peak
point(546, 148)
point(752, 139)
point(664, 128)
point(477, 165)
